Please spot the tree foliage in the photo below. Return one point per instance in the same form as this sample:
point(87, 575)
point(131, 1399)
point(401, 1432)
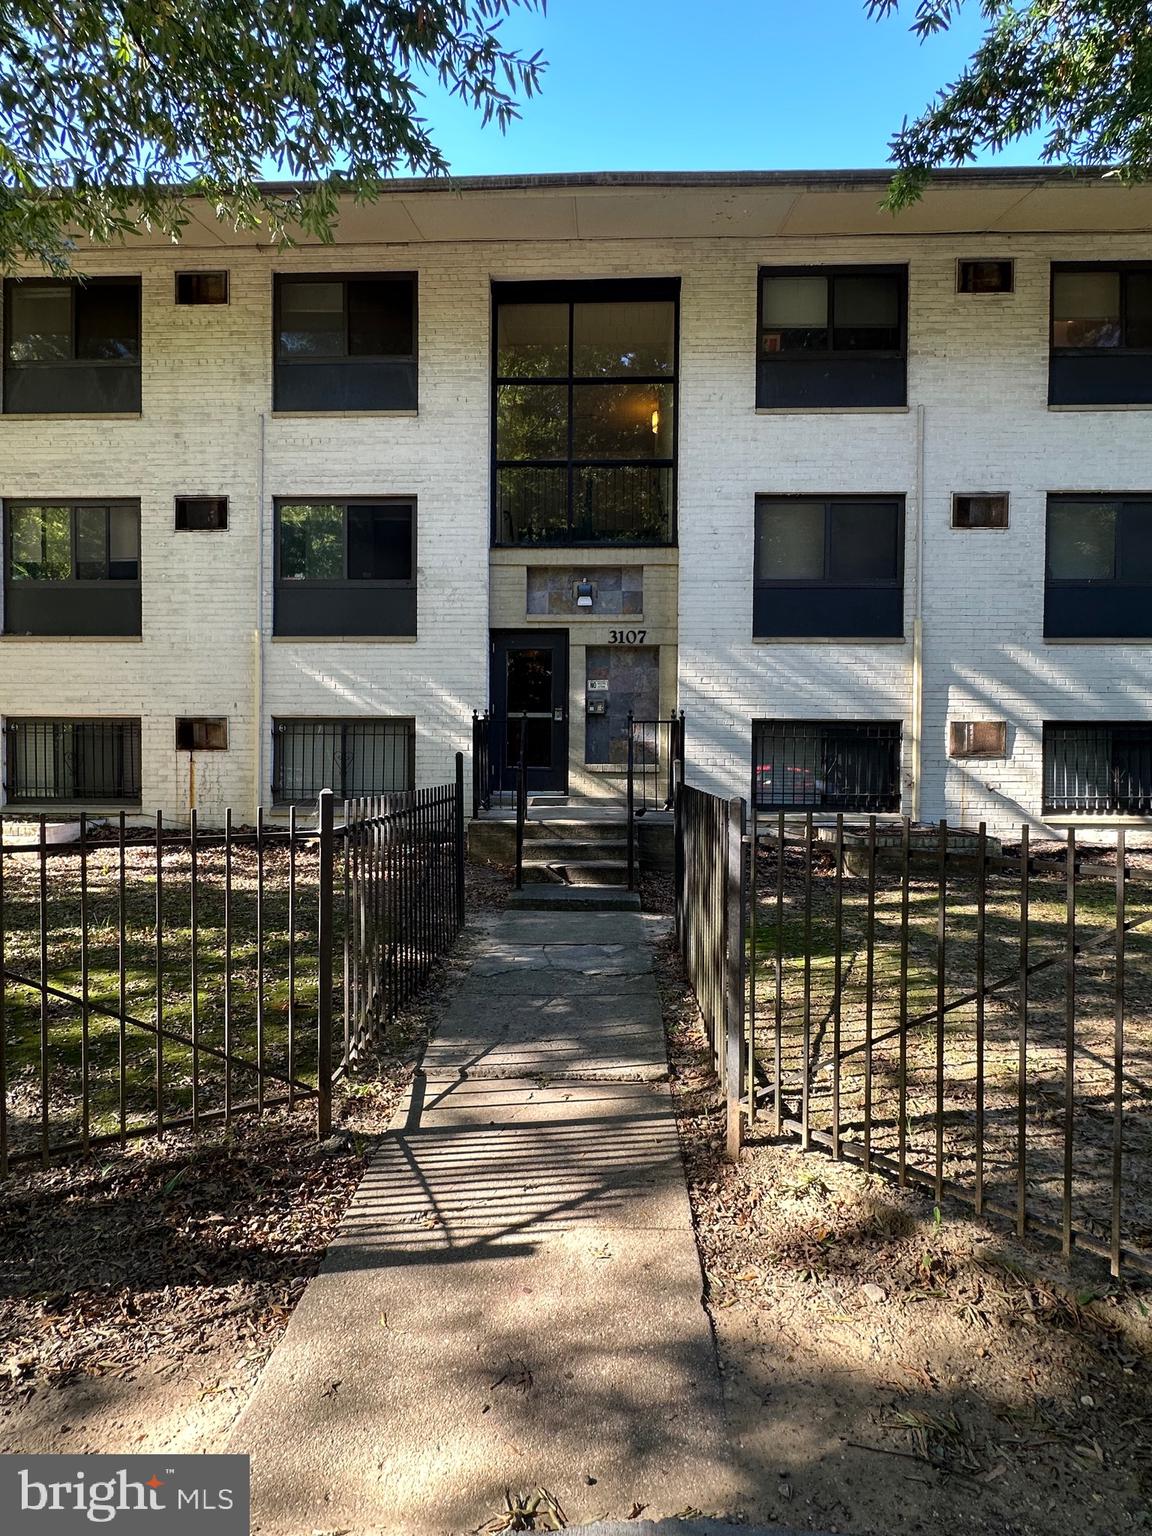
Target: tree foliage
point(117, 112)
point(1078, 71)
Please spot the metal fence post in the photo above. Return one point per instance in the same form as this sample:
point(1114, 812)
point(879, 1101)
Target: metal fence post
point(631, 812)
point(735, 932)
point(678, 853)
point(475, 765)
point(324, 946)
point(459, 834)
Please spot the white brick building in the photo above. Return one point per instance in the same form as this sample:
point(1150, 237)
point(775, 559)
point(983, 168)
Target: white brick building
point(949, 395)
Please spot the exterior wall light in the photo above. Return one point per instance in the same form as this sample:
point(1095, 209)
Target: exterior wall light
point(585, 593)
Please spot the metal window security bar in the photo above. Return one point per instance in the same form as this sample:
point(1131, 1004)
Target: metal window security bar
point(154, 978)
point(963, 1013)
point(72, 762)
point(351, 757)
point(1102, 768)
point(826, 765)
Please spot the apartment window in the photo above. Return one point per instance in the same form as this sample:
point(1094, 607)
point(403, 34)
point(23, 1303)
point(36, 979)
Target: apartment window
point(584, 412)
point(1098, 767)
point(72, 348)
point(1101, 334)
point(985, 276)
point(201, 514)
point(829, 567)
point(349, 757)
point(832, 336)
point(826, 765)
point(980, 511)
point(201, 287)
point(73, 762)
point(1099, 568)
point(346, 343)
point(197, 734)
point(345, 568)
point(72, 568)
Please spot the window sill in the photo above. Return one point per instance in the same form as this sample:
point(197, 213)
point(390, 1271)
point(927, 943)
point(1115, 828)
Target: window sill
point(612, 620)
point(1092, 409)
point(56, 810)
point(71, 416)
point(71, 639)
point(1098, 819)
point(344, 639)
point(829, 640)
point(1097, 640)
point(833, 410)
point(405, 415)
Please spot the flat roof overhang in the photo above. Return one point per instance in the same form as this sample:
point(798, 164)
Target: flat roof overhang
point(672, 205)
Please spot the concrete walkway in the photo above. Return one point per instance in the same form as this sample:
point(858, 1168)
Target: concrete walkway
point(514, 1299)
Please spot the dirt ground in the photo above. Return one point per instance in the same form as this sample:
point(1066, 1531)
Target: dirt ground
point(891, 1368)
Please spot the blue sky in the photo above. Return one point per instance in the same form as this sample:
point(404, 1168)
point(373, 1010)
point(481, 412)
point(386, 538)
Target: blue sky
point(693, 85)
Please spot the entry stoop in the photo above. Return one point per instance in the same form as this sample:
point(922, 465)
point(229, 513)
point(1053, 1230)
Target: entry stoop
point(575, 862)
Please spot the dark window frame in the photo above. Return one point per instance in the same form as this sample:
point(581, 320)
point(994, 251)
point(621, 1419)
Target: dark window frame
point(345, 584)
point(203, 303)
point(344, 723)
point(887, 734)
point(829, 502)
point(814, 357)
point(585, 291)
point(1057, 268)
point(1117, 583)
point(1114, 803)
point(72, 364)
point(129, 728)
point(346, 359)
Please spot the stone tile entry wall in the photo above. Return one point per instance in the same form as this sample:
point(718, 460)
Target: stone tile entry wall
point(618, 590)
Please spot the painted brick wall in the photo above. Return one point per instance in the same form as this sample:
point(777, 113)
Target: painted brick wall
point(977, 368)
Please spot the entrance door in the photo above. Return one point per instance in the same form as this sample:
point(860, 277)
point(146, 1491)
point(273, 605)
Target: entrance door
point(530, 705)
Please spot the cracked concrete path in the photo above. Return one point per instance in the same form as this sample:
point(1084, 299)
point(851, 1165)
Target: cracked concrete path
point(514, 1297)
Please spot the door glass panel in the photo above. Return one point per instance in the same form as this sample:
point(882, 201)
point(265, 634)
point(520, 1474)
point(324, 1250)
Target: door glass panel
point(532, 341)
point(529, 681)
point(532, 421)
point(1086, 309)
point(91, 543)
point(622, 421)
point(41, 322)
point(1081, 540)
point(791, 542)
point(537, 737)
point(614, 339)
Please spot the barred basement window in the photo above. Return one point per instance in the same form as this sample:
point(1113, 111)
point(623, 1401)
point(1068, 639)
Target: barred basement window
point(980, 511)
point(1101, 767)
point(985, 276)
point(978, 738)
point(826, 765)
point(349, 757)
point(72, 762)
point(201, 735)
point(201, 514)
point(201, 287)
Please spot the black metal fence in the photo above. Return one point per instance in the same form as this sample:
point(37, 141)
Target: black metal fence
point(969, 1014)
point(154, 978)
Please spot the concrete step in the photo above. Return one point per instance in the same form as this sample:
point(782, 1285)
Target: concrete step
point(576, 871)
point(574, 898)
point(561, 850)
point(564, 829)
